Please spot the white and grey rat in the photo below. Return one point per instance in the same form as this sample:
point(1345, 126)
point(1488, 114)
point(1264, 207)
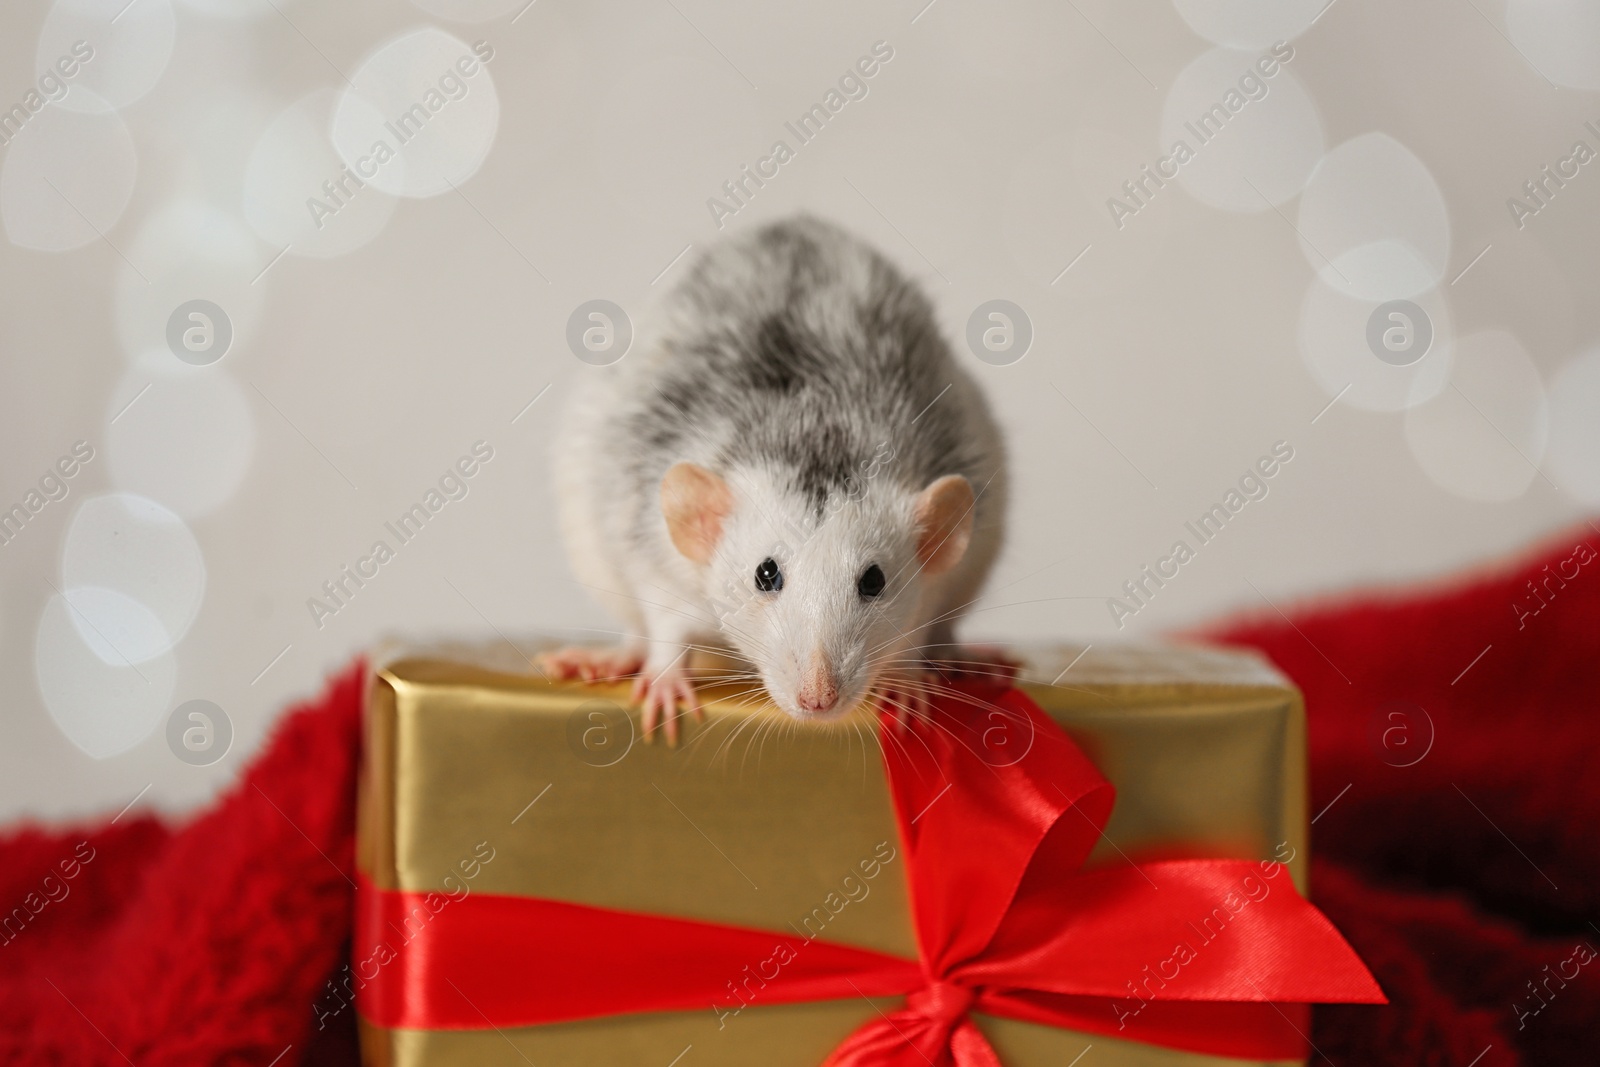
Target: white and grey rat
point(793, 459)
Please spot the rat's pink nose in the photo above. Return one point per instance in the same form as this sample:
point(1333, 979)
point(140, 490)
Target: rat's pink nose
point(818, 701)
point(819, 691)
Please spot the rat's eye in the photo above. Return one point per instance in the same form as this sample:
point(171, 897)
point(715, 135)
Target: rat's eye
point(769, 579)
point(872, 582)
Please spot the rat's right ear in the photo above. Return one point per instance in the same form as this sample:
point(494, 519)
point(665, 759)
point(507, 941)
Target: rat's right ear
point(944, 523)
point(695, 502)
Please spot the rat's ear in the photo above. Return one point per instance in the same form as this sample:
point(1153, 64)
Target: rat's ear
point(695, 501)
point(944, 523)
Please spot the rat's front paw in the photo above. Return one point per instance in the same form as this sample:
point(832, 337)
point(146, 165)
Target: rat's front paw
point(661, 693)
point(592, 664)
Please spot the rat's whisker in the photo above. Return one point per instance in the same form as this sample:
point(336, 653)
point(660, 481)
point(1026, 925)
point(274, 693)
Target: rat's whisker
point(757, 743)
point(726, 746)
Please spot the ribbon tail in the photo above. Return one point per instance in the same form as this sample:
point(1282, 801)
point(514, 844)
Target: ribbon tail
point(969, 1048)
point(899, 1039)
point(1199, 930)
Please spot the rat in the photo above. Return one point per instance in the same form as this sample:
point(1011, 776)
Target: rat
point(791, 462)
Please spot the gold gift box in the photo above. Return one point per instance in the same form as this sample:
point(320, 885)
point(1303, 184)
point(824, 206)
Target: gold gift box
point(755, 821)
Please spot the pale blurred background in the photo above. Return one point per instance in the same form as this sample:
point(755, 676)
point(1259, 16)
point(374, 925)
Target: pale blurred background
point(1228, 313)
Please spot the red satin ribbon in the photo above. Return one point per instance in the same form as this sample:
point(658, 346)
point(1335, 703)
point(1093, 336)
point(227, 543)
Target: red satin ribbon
point(1214, 956)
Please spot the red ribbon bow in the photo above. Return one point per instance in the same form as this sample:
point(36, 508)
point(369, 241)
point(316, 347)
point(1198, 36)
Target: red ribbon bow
point(1215, 956)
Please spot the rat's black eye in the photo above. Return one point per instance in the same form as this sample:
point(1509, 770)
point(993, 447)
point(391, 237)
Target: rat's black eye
point(872, 582)
point(769, 579)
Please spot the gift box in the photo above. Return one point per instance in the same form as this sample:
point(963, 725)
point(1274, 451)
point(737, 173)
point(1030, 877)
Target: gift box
point(539, 884)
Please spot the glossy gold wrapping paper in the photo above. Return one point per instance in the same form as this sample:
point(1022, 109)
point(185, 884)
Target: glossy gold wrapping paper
point(754, 821)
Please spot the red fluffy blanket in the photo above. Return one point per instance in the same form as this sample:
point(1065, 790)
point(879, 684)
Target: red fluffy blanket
point(1453, 740)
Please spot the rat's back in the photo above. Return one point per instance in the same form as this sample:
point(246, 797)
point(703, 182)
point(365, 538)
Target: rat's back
point(796, 349)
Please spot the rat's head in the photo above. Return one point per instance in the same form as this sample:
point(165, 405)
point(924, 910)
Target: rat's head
point(820, 600)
